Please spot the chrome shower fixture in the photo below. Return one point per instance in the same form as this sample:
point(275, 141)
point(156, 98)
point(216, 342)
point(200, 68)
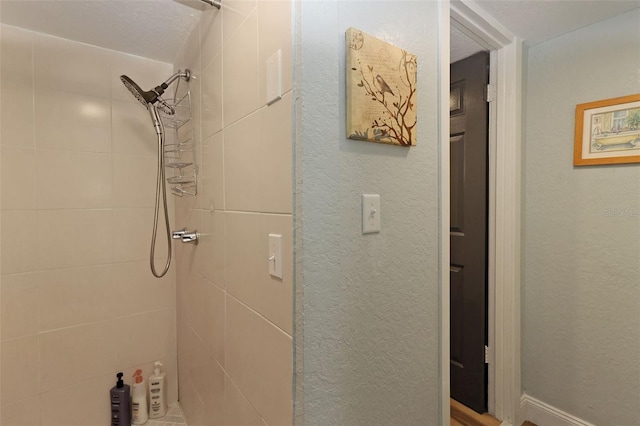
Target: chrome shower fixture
point(215, 3)
point(152, 100)
point(153, 97)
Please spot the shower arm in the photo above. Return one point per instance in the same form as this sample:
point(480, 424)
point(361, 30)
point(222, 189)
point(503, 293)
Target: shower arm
point(186, 74)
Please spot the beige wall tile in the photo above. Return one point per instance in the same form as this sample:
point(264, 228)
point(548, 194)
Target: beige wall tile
point(141, 342)
point(18, 177)
point(76, 354)
point(133, 131)
point(71, 238)
point(247, 267)
point(19, 364)
point(73, 180)
point(138, 291)
point(276, 146)
point(17, 121)
point(19, 241)
point(19, 313)
point(207, 304)
point(239, 410)
point(80, 404)
point(259, 361)
point(17, 55)
point(274, 24)
point(209, 254)
point(210, 385)
point(189, 58)
point(170, 366)
point(70, 177)
point(193, 357)
point(192, 405)
point(134, 181)
point(70, 297)
point(21, 413)
point(211, 174)
point(257, 161)
point(134, 228)
point(241, 89)
point(243, 165)
point(234, 13)
point(210, 34)
point(195, 291)
point(16, 77)
point(212, 97)
point(72, 67)
point(69, 120)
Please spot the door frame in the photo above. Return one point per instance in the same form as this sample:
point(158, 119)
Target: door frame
point(505, 130)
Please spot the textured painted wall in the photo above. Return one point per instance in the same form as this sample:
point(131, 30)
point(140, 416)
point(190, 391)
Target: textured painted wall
point(369, 302)
point(581, 349)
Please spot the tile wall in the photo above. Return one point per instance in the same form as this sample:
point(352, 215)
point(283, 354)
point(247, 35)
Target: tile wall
point(78, 302)
point(234, 320)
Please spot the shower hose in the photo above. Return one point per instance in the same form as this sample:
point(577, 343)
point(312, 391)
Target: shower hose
point(160, 192)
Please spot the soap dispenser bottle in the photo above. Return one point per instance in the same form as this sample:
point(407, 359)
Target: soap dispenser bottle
point(157, 392)
point(120, 403)
point(139, 413)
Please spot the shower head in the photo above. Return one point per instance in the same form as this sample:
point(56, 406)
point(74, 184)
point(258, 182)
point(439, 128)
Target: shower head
point(145, 98)
point(152, 97)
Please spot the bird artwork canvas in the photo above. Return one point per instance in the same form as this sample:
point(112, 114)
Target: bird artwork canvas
point(381, 91)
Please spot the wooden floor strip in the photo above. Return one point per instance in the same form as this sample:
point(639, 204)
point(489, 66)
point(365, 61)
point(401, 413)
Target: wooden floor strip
point(465, 416)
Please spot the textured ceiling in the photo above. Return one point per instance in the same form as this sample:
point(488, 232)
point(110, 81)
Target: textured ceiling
point(154, 29)
point(157, 29)
point(538, 20)
point(535, 21)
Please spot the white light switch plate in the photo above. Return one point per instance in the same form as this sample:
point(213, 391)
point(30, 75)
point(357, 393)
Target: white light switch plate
point(274, 77)
point(275, 255)
point(370, 213)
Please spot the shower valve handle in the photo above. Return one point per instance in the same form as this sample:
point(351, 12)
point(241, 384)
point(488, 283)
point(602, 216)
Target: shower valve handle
point(186, 236)
point(190, 237)
point(177, 235)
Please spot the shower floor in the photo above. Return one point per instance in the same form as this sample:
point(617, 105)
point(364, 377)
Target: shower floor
point(174, 417)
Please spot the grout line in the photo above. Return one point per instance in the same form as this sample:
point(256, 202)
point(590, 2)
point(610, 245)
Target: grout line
point(259, 314)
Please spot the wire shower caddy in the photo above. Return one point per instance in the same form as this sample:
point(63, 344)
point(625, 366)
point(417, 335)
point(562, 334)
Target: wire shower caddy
point(180, 145)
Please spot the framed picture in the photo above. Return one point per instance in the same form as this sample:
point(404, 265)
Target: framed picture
point(608, 132)
point(381, 91)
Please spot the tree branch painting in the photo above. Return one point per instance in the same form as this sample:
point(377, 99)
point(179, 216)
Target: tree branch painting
point(381, 91)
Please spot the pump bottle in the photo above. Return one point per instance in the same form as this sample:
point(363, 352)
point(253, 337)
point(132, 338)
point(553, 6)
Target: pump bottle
point(139, 412)
point(120, 403)
point(157, 392)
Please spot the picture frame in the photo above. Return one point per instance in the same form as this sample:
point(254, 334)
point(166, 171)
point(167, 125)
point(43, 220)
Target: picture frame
point(381, 91)
point(607, 132)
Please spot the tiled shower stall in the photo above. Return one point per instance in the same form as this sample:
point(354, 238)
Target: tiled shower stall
point(78, 302)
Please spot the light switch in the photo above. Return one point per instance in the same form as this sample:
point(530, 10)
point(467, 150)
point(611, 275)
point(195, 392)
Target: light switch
point(274, 77)
point(275, 255)
point(370, 213)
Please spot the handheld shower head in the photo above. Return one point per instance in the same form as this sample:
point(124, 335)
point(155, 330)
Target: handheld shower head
point(145, 98)
point(153, 96)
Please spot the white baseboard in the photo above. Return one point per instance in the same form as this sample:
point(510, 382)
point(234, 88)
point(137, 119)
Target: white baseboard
point(543, 414)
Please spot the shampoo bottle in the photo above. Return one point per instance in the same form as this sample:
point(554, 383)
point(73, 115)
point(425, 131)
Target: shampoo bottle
point(120, 403)
point(157, 392)
point(139, 413)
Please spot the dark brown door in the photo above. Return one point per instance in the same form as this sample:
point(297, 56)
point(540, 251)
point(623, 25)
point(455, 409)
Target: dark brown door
point(469, 165)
